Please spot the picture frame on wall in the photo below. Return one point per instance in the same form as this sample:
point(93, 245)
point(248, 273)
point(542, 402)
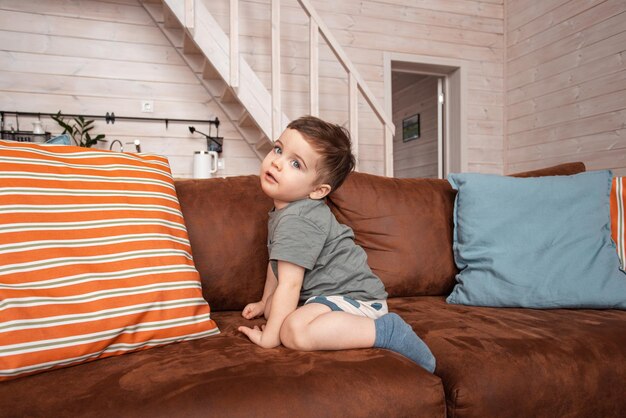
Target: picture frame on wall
point(411, 128)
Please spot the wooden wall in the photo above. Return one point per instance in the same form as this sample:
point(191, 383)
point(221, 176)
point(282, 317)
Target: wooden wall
point(106, 56)
point(565, 72)
point(566, 84)
point(467, 30)
point(93, 57)
point(415, 94)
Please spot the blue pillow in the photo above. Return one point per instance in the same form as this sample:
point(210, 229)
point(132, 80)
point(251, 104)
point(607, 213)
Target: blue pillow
point(540, 242)
point(63, 139)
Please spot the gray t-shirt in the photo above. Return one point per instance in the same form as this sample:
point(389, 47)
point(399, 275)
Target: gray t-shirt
point(306, 233)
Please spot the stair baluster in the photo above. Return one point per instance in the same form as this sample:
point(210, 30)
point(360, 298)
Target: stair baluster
point(255, 112)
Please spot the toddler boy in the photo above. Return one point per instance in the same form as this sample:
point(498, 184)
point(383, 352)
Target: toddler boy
point(314, 260)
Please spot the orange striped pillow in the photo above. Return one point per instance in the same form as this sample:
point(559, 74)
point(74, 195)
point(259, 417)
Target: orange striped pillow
point(94, 258)
point(618, 218)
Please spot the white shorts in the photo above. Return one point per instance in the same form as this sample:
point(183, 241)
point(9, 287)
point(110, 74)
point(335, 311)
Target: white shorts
point(371, 308)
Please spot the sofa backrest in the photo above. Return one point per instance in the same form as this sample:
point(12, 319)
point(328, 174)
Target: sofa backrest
point(404, 225)
point(226, 219)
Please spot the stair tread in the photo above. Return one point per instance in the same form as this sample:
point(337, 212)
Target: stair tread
point(155, 10)
point(247, 120)
point(215, 87)
point(229, 95)
point(195, 61)
point(174, 35)
point(233, 110)
point(264, 145)
point(189, 45)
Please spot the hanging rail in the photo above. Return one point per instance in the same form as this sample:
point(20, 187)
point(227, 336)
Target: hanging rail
point(109, 118)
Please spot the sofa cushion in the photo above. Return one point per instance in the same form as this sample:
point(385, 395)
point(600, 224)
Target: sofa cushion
point(535, 242)
point(228, 376)
point(227, 223)
point(618, 218)
point(94, 258)
point(523, 363)
point(405, 227)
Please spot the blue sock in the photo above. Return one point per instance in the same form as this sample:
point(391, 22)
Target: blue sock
point(396, 335)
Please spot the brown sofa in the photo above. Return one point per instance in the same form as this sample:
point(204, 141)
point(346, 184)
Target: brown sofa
point(490, 362)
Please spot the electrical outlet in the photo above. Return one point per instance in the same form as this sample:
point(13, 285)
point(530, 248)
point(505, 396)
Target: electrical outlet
point(220, 164)
point(147, 106)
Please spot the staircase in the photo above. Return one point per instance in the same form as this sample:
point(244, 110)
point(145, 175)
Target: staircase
point(253, 110)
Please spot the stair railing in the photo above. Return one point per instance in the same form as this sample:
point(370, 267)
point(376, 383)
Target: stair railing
point(356, 83)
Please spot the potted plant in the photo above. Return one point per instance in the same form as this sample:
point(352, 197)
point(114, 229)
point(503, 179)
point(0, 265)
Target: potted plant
point(79, 131)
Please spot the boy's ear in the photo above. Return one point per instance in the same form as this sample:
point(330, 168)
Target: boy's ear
point(320, 192)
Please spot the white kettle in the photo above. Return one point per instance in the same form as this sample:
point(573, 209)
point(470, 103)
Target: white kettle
point(38, 127)
point(204, 164)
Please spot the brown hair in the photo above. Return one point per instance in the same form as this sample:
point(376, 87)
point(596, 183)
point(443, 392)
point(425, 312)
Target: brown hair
point(332, 142)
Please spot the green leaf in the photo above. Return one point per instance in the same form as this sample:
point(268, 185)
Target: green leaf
point(79, 131)
point(58, 118)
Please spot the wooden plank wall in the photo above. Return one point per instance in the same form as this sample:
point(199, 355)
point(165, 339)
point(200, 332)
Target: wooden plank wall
point(468, 30)
point(565, 72)
point(101, 56)
point(415, 94)
point(566, 84)
point(93, 57)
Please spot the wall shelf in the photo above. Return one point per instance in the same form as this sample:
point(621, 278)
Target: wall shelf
point(108, 117)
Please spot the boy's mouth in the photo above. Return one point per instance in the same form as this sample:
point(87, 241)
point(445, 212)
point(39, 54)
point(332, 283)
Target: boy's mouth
point(270, 177)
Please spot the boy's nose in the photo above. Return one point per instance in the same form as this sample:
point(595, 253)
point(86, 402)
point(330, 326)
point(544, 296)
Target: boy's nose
point(277, 163)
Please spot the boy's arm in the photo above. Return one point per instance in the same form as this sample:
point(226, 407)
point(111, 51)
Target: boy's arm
point(270, 284)
point(284, 302)
point(252, 310)
point(273, 282)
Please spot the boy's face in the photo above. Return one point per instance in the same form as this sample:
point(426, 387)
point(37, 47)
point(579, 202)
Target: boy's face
point(288, 172)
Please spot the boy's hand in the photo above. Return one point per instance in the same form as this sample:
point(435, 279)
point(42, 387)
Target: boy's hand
point(284, 300)
point(256, 336)
point(252, 310)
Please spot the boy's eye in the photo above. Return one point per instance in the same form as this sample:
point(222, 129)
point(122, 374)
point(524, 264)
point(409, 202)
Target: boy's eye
point(277, 150)
point(295, 164)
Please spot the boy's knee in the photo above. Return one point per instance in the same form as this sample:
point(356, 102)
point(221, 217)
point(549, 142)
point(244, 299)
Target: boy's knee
point(292, 335)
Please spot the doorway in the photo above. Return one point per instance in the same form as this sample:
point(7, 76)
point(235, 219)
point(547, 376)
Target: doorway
point(418, 114)
point(426, 96)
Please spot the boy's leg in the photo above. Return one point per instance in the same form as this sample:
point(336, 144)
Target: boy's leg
point(315, 327)
point(394, 334)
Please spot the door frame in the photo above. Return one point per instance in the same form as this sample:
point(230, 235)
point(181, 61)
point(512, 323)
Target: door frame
point(454, 73)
